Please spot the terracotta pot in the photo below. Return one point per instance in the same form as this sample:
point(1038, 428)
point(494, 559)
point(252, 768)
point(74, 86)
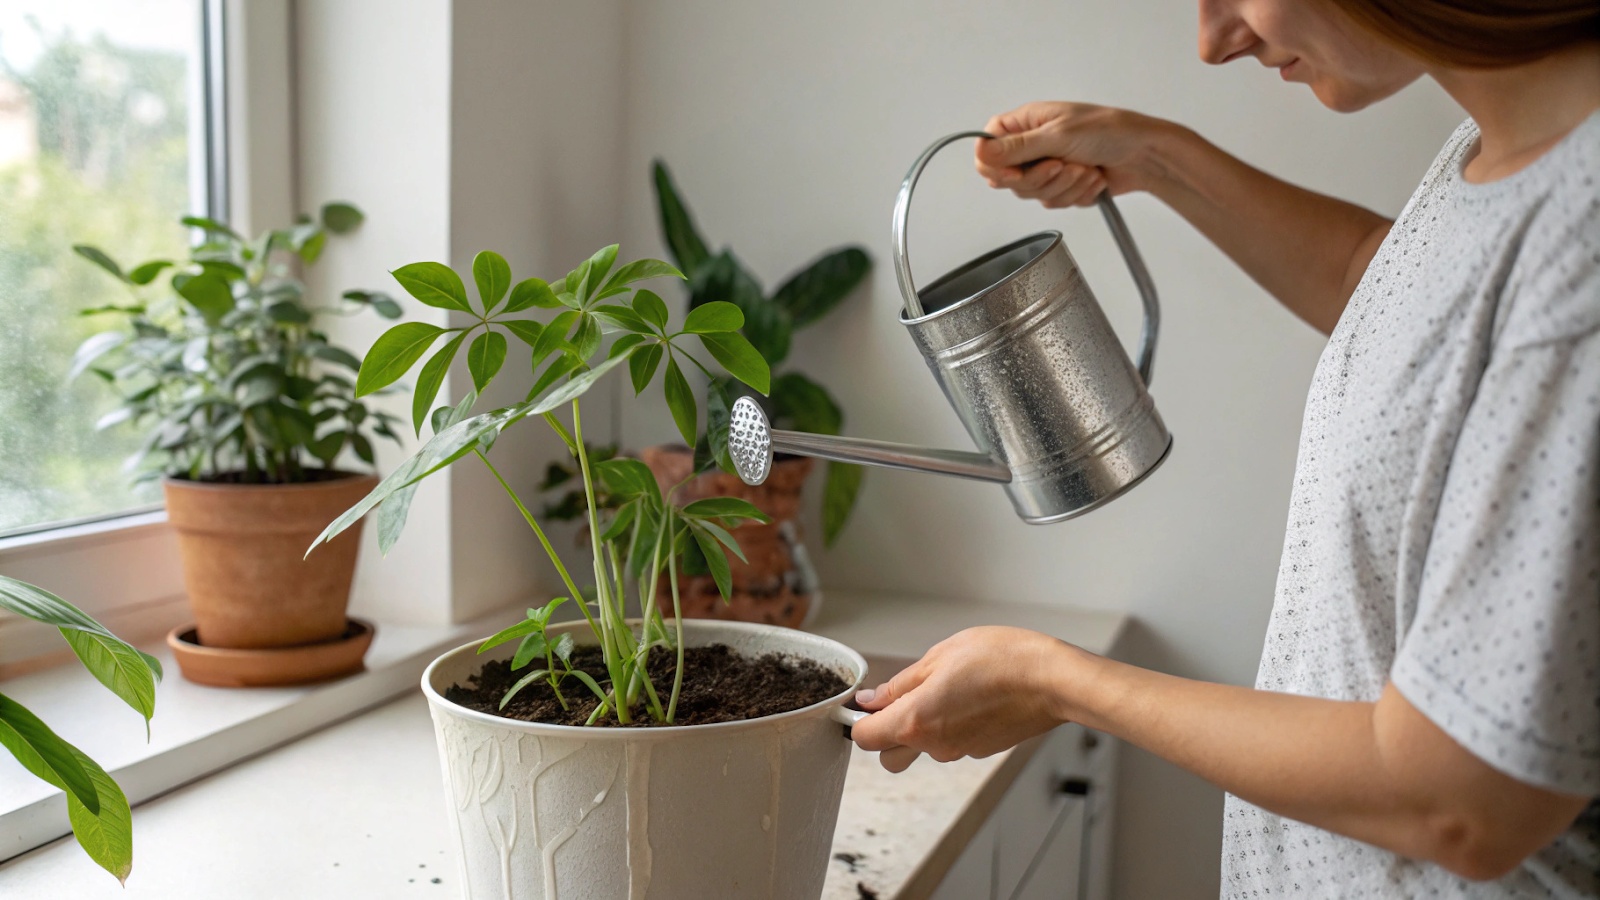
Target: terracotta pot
point(241, 546)
point(777, 585)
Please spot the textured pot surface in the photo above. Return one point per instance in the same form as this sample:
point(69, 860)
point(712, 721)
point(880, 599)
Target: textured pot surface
point(242, 547)
point(732, 810)
point(777, 585)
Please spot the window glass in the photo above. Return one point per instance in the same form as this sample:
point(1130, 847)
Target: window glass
point(101, 142)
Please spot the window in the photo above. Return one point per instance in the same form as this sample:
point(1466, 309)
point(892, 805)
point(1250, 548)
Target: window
point(106, 125)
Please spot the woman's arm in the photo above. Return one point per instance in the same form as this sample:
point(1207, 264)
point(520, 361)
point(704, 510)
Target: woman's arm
point(1377, 772)
point(1306, 249)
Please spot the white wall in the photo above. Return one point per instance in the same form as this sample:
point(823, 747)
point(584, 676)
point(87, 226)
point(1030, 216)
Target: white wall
point(789, 127)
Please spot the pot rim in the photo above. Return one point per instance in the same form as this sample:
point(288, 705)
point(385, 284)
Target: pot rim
point(346, 477)
point(654, 732)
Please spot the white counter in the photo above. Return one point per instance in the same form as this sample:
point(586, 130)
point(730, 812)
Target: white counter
point(357, 810)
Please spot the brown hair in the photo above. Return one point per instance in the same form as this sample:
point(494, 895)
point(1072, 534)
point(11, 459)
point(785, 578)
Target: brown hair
point(1478, 33)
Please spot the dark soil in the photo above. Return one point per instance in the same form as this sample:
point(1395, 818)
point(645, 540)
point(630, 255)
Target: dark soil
point(719, 685)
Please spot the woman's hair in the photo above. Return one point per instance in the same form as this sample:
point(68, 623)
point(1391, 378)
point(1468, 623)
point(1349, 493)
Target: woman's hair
point(1478, 33)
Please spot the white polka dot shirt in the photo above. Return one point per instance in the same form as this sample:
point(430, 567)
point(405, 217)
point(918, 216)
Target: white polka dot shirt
point(1444, 529)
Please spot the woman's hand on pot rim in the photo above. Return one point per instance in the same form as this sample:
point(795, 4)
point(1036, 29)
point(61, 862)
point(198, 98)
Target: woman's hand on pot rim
point(1065, 154)
point(977, 693)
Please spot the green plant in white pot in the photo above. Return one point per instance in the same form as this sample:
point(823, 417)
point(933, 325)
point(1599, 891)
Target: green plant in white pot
point(219, 360)
point(96, 807)
point(598, 758)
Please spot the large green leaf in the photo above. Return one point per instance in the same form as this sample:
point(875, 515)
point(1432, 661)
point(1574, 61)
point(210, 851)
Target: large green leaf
point(38, 604)
point(393, 354)
point(485, 357)
point(208, 292)
point(391, 517)
point(105, 836)
point(718, 315)
point(680, 401)
point(814, 291)
point(800, 404)
point(531, 292)
point(740, 358)
point(766, 324)
point(430, 378)
point(493, 276)
point(651, 308)
point(435, 284)
point(640, 270)
point(677, 225)
point(44, 753)
point(839, 498)
point(628, 477)
point(118, 666)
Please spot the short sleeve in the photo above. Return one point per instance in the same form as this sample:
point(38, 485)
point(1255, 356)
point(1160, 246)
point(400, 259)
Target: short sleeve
point(1504, 651)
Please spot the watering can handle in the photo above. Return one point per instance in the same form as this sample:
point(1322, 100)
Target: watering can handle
point(1146, 358)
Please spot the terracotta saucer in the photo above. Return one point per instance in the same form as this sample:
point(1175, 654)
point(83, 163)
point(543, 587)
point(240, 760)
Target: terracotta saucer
point(274, 667)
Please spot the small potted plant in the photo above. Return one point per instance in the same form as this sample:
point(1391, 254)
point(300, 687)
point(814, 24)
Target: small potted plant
point(246, 413)
point(96, 807)
point(777, 585)
point(615, 757)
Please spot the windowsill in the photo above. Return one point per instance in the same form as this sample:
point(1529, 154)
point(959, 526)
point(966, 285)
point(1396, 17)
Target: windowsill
point(197, 730)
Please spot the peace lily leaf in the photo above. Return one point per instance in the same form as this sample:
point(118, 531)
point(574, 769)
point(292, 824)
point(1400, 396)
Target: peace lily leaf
point(529, 293)
point(838, 498)
point(815, 290)
point(93, 347)
point(676, 223)
point(485, 357)
point(718, 315)
point(106, 836)
point(493, 276)
point(119, 667)
point(45, 754)
point(147, 273)
point(680, 401)
point(736, 354)
point(38, 604)
point(434, 284)
point(430, 378)
point(526, 330)
point(341, 218)
point(99, 258)
point(651, 308)
point(643, 366)
point(393, 354)
point(725, 508)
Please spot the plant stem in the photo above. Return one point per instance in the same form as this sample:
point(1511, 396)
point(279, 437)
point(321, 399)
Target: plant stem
point(677, 613)
point(601, 582)
point(543, 541)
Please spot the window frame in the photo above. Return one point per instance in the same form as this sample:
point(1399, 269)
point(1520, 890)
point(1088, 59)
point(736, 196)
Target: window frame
point(122, 568)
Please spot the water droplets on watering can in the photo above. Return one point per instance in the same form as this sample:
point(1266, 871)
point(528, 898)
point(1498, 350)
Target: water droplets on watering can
point(1030, 364)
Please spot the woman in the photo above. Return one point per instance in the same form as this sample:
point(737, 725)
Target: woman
point(1426, 720)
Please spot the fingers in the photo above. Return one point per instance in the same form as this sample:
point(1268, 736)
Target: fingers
point(1073, 186)
point(901, 684)
point(898, 759)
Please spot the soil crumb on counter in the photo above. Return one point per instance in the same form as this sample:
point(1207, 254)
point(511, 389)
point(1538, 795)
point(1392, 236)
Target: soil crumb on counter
point(719, 685)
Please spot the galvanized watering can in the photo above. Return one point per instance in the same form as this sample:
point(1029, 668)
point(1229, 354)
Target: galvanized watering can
point(1025, 355)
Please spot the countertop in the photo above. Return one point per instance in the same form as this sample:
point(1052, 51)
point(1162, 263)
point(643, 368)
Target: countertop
point(356, 810)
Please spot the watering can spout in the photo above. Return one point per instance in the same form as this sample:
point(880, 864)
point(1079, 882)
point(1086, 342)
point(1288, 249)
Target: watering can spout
point(1025, 355)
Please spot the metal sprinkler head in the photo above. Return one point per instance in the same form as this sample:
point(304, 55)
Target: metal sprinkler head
point(750, 441)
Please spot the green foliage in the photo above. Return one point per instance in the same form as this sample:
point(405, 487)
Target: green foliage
point(634, 531)
point(225, 374)
point(96, 806)
point(795, 402)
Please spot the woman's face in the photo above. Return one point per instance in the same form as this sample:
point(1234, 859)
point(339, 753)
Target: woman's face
point(1310, 41)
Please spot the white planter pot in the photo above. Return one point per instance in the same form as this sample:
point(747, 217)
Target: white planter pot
point(704, 812)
